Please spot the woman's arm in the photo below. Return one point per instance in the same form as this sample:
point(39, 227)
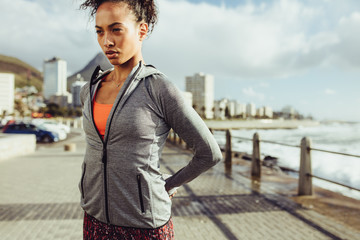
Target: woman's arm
point(186, 122)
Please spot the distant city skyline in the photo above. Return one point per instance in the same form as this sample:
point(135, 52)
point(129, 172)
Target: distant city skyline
point(271, 53)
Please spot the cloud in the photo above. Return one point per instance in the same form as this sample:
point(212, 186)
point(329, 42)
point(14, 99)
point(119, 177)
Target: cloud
point(38, 30)
point(270, 40)
point(273, 39)
point(264, 85)
point(251, 93)
point(347, 51)
point(329, 91)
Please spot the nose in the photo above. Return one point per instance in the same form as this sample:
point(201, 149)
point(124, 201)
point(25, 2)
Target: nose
point(108, 41)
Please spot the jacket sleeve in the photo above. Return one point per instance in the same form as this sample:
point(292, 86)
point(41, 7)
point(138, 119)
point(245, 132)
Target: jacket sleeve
point(185, 121)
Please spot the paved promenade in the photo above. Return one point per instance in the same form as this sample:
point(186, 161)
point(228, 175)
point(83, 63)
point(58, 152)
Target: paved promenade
point(39, 199)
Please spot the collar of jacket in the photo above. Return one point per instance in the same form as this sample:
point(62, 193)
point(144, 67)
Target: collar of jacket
point(98, 73)
point(139, 72)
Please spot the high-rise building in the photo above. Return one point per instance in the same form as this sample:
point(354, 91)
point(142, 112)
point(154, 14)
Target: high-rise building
point(231, 108)
point(7, 92)
point(250, 110)
point(240, 110)
point(288, 112)
point(260, 112)
point(55, 77)
point(202, 88)
point(220, 107)
point(75, 91)
point(268, 112)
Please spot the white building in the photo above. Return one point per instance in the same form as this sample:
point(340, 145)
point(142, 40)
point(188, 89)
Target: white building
point(268, 112)
point(288, 112)
point(260, 112)
point(75, 91)
point(219, 109)
point(62, 100)
point(55, 77)
point(202, 88)
point(240, 109)
point(231, 108)
point(250, 110)
point(7, 92)
point(188, 98)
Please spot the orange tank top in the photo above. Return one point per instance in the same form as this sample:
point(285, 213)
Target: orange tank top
point(101, 114)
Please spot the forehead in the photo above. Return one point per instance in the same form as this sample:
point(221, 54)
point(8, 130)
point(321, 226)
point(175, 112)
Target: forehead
point(110, 12)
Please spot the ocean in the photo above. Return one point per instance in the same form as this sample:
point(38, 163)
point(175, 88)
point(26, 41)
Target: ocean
point(337, 137)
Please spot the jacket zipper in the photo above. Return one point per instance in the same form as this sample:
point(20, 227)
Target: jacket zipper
point(104, 141)
point(104, 160)
point(140, 194)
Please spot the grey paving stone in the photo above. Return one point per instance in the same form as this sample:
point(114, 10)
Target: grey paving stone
point(39, 199)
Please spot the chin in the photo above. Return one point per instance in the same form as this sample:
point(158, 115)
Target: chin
point(115, 61)
point(120, 61)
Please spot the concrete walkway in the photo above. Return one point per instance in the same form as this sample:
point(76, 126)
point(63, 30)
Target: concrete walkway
point(39, 199)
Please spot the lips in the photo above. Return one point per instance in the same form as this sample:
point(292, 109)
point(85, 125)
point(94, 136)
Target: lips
point(111, 54)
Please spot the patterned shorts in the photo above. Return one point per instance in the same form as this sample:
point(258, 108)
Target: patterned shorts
point(96, 230)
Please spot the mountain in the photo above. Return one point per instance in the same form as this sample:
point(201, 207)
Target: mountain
point(86, 72)
point(25, 74)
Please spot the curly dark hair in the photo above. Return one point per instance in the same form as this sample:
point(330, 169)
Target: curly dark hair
point(143, 9)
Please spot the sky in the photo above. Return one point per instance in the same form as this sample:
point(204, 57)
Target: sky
point(275, 53)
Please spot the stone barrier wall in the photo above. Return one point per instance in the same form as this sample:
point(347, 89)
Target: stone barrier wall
point(13, 145)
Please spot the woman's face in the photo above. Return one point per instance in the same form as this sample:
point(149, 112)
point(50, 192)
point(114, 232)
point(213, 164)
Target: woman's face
point(118, 33)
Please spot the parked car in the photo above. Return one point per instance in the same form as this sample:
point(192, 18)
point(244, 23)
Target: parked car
point(53, 128)
point(42, 135)
point(51, 124)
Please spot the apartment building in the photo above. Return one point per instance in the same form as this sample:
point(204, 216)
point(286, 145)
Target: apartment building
point(7, 92)
point(202, 88)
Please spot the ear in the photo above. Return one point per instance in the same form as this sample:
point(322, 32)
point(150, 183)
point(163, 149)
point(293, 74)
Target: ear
point(143, 29)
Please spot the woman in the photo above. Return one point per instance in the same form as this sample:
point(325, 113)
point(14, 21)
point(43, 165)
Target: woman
point(128, 112)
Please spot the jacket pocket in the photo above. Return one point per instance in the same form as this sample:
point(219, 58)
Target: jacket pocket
point(141, 199)
point(82, 182)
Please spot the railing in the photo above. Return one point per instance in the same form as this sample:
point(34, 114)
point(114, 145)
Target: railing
point(305, 171)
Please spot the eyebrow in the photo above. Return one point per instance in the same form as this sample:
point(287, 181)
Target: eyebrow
point(111, 25)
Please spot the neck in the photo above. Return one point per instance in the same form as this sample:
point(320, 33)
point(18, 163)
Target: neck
point(123, 70)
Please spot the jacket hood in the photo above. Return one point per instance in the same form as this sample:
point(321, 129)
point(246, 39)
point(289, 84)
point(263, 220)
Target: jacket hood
point(142, 70)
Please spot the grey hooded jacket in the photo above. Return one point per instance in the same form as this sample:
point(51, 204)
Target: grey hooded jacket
point(121, 182)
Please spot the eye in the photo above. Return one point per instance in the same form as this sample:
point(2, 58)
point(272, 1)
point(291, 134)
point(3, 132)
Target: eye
point(98, 31)
point(117, 30)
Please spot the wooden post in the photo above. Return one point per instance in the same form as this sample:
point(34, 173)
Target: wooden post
point(70, 147)
point(305, 180)
point(169, 137)
point(256, 158)
point(174, 137)
point(180, 141)
point(228, 150)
